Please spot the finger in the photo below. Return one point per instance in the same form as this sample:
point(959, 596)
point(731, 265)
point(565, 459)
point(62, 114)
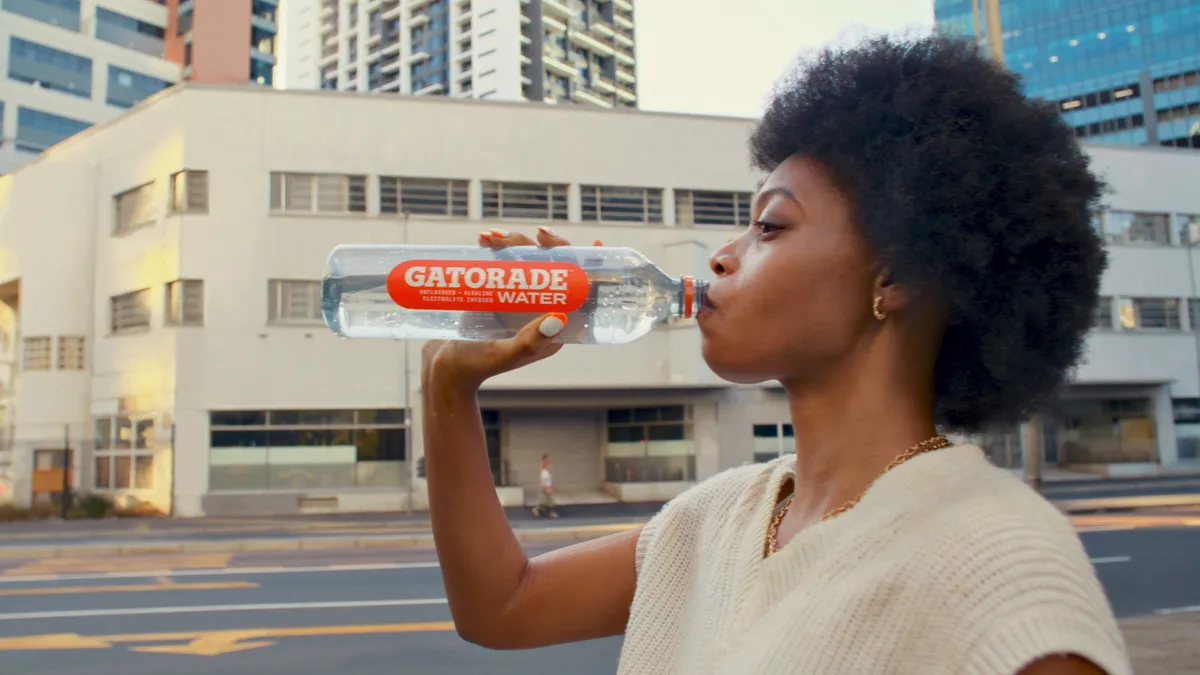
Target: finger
point(548, 237)
point(597, 242)
point(498, 238)
point(535, 341)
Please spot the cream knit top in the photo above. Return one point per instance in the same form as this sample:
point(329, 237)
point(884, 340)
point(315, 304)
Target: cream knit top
point(947, 565)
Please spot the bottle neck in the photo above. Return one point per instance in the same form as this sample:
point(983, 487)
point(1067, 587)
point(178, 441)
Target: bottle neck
point(692, 295)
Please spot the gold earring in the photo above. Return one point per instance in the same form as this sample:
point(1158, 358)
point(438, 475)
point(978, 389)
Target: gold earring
point(879, 313)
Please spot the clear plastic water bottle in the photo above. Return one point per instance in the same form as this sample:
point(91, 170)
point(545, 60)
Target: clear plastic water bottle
point(610, 295)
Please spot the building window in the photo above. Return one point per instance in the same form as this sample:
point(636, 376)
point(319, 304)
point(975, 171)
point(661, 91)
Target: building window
point(423, 196)
point(61, 13)
point(49, 68)
point(124, 454)
point(134, 209)
point(622, 204)
point(36, 353)
point(1102, 431)
point(293, 302)
point(318, 193)
point(189, 192)
point(306, 449)
point(127, 31)
point(185, 303)
point(772, 441)
point(70, 352)
point(127, 88)
point(1187, 427)
point(130, 312)
point(1104, 314)
point(534, 201)
point(1125, 227)
point(1150, 314)
point(647, 445)
point(1194, 314)
point(492, 440)
point(1189, 229)
point(38, 130)
point(697, 207)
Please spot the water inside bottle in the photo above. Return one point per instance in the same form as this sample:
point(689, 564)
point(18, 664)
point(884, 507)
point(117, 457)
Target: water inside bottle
point(626, 298)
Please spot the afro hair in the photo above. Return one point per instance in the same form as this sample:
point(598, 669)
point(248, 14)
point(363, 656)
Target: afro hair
point(964, 186)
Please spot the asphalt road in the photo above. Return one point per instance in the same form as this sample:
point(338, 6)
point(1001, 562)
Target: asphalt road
point(367, 612)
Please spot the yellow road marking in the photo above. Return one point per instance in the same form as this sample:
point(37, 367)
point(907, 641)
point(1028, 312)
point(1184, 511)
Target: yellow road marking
point(148, 563)
point(130, 588)
point(208, 643)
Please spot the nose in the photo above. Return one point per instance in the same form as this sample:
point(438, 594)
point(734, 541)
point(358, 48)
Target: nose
point(723, 261)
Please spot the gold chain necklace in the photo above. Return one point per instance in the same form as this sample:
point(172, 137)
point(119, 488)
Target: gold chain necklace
point(935, 443)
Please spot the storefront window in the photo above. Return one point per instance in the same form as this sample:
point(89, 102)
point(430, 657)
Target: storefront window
point(123, 457)
point(306, 449)
point(1187, 427)
point(650, 445)
point(1104, 431)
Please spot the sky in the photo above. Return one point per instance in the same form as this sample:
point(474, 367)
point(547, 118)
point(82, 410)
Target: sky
point(721, 57)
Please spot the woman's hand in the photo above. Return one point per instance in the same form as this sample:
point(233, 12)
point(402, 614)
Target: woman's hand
point(466, 363)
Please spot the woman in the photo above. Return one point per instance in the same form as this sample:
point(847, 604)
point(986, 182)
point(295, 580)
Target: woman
point(920, 258)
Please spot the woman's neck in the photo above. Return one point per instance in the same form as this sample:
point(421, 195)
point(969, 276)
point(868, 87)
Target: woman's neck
point(852, 426)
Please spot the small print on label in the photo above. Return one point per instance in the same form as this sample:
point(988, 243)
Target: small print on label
point(491, 286)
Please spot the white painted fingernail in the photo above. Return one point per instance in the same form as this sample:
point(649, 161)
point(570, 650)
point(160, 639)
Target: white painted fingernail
point(547, 230)
point(500, 233)
point(551, 326)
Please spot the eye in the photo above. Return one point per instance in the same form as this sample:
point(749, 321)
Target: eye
point(765, 228)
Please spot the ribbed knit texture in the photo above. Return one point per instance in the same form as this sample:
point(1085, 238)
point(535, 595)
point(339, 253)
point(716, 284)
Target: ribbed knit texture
point(947, 565)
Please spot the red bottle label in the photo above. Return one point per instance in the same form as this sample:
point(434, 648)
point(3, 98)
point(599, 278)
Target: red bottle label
point(488, 286)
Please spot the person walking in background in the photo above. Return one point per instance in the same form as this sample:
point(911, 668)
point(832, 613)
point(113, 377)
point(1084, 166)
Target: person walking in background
point(546, 482)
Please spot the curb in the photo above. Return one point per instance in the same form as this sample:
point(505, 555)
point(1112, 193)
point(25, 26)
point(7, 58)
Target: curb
point(292, 544)
point(1099, 505)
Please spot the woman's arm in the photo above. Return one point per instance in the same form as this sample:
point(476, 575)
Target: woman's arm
point(499, 598)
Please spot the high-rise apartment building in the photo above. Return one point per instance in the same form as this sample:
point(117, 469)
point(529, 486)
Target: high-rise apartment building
point(557, 51)
point(1121, 71)
point(225, 42)
point(66, 65)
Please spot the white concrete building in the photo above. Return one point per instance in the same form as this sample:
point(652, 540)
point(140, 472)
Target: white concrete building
point(160, 278)
point(557, 51)
point(299, 46)
point(68, 64)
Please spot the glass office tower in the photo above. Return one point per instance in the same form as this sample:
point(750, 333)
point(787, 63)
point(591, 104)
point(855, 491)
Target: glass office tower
point(1121, 71)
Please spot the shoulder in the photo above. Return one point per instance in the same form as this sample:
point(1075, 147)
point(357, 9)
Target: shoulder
point(704, 509)
point(1012, 570)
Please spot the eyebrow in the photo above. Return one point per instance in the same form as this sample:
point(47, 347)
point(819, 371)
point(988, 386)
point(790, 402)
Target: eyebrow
point(780, 191)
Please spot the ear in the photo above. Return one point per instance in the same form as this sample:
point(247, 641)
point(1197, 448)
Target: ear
point(895, 296)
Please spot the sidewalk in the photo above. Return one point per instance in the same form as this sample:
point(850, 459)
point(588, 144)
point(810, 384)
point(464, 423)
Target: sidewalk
point(1164, 645)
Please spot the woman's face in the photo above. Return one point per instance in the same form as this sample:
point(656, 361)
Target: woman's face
point(794, 292)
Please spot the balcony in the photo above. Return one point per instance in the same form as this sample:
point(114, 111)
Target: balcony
point(624, 40)
point(603, 85)
point(603, 28)
point(391, 44)
point(558, 7)
point(390, 66)
point(586, 97)
point(418, 20)
point(626, 76)
point(626, 94)
point(391, 12)
point(327, 10)
point(625, 59)
point(256, 55)
point(624, 4)
point(592, 43)
point(416, 57)
point(623, 22)
point(328, 58)
point(551, 58)
point(552, 22)
point(464, 75)
point(462, 56)
point(392, 85)
point(264, 24)
point(435, 88)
